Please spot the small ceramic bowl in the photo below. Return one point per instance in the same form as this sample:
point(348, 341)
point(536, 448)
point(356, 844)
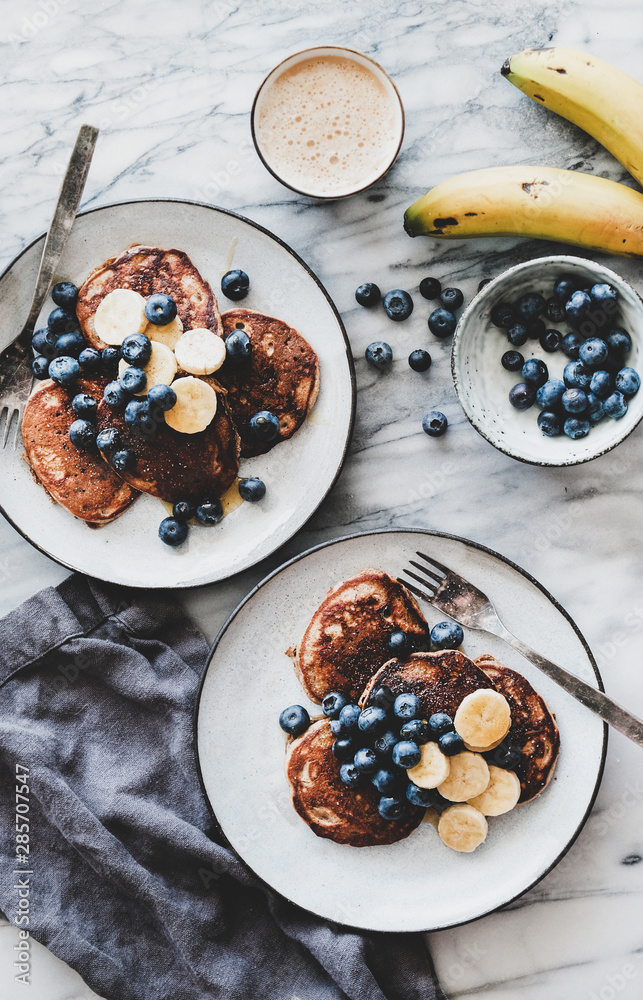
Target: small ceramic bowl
point(483, 384)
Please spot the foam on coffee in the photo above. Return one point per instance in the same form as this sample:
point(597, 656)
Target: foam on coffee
point(327, 125)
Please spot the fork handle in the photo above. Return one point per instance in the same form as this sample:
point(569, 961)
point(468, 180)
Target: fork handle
point(593, 699)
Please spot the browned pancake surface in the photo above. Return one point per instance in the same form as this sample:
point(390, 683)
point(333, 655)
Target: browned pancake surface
point(282, 376)
point(346, 640)
point(148, 270)
point(80, 481)
point(440, 680)
point(329, 807)
point(533, 728)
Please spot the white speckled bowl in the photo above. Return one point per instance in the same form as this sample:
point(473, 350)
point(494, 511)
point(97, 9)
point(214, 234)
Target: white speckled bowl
point(483, 385)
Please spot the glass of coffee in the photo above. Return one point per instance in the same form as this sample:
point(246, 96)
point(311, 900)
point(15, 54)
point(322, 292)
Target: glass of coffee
point(327, 122)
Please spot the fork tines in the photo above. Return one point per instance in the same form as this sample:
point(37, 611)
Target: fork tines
point(8, 415)
point(433, 562)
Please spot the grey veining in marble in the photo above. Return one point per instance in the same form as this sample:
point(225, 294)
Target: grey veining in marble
point(170, 85)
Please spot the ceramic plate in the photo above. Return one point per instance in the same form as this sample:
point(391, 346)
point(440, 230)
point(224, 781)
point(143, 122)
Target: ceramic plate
point(298, 473)
point(418, 883)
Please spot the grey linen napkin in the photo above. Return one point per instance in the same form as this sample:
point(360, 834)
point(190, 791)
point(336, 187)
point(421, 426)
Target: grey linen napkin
point(127, 881)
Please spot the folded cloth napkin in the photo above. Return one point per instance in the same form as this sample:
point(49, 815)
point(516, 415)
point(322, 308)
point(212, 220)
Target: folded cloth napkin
point(126, 880)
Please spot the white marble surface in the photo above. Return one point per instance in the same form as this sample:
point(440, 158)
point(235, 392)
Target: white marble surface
point(170, 85)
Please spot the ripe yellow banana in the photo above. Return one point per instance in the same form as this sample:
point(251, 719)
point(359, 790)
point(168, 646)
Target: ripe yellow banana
point(589, 92)
point(541, 202)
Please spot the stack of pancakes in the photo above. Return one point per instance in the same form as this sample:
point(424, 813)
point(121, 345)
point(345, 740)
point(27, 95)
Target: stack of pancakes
point(344, 648)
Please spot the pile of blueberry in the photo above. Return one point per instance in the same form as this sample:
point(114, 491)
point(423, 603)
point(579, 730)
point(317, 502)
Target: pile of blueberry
point(596, 381)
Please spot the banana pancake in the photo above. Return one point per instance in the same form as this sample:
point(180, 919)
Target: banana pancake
point(329, 807)
point(347, 638)
point(533, 728)
point(79, 481)
point(282, 375)
point(148, 270)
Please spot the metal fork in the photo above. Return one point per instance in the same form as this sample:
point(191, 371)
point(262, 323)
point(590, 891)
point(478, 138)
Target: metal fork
point(459, 599)
point(15, 361)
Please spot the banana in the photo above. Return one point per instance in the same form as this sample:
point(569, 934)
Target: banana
point(200, 352)
point(540, 202)
point(483, 718)
point(501, 795)
point(468, 777)
point(160, 369)
point(120, 313)
point(463, 828)
point(589, 92)
point(492, 746)
point(432, 817)
point(168, 334)
point(196, 405)
point(432, 769)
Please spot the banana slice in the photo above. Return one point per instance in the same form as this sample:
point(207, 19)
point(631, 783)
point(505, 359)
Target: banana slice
point(168, 334)
point(463, 827)
point(120, 313)
point(196, 405)
point(468, 777)
point(200, 352)
point(432, 769)
point(432, 817)
point(492, 746)
point(482, 718)
point(501, 795)
point(160, 369)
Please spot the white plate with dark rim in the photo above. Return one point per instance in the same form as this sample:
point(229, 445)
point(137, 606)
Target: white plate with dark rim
point(417, 884)
point(298, 473)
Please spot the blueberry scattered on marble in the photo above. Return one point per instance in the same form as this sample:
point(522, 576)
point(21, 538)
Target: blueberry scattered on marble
point(434, 423)
point(430, 288)
point(398, 305)
point(442, 322)
point(419, 361)
point(368, 294)
point(451, 298)
point(379, 354)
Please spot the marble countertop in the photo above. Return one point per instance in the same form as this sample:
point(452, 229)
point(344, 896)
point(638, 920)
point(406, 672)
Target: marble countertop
point(170, 86)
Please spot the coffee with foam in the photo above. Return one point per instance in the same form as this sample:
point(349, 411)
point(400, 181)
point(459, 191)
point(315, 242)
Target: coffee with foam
point(327, 125)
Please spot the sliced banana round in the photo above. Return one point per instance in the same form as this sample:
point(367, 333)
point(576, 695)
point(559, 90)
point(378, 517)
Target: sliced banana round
point(483, 717)
point(463, 827)
point(168, 334)
point(468, 777)
point(120, 313)
point(161, 368)
point(196, 405)
point(200, 351)
point(433, 767)
point(501, 795)
point(492, 746)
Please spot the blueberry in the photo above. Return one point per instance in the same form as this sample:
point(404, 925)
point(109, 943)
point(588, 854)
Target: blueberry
point(507, 756)
point(430, 288)
point(595, 411)
point(549, 423)
point(407, 706)
point(446, 635)
point(522, 395)
point(44, 342)
point(160, 309)
point(82, 434)
point(574, 400)
point(133, 409)
point(252, 489)
point(379, 354)
point(84, 406)
point(294, 720)
point(565, 288)
point(483, 284)
point(372, 721)
point(601, 384)
point(615, 406)
point(416, 730)
point(344, 748)
point(133, 380)
point(576, 376)
point(503, 315)
point(450, 744)
point(110, 356)
point(576, 428)
point(174, 533)
point(65, 295)
point(366, 760)
point(238, 347)
point(442, 322)
point(368, 294)
point(619, 342)
point(90, 360)
point(536, 329)
point(406, 754)
point(577, 307)
point(40, 367)
point(550, 394)
point(555, 310)
point(125, 461)
point(604, 295)
point(392, 808)
point(434, 423)
point(115, 396)
point(162, 396)
point(422, 797)
point(136, 349)
point(108, 440)
point(64, 371)
point(348, 719)
point(69, 345)
point(399, 643)
point(388, 782)
point(627, 381)
point(60, 321)
point(265, 426)
point(570, 345)
point(593, 352)
point(398, 305)
point(517, 334)
point(535, 372)
point(451, 298)
point(351, 776)
point(512, 361)
point(551, 340)
point(209, 512)
point(384, 743)
point(440, 723)
point(420, 361)
point(235, 285)
point(184, 510)
point(529, 306)
point(141, 418)
point(383, 697)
